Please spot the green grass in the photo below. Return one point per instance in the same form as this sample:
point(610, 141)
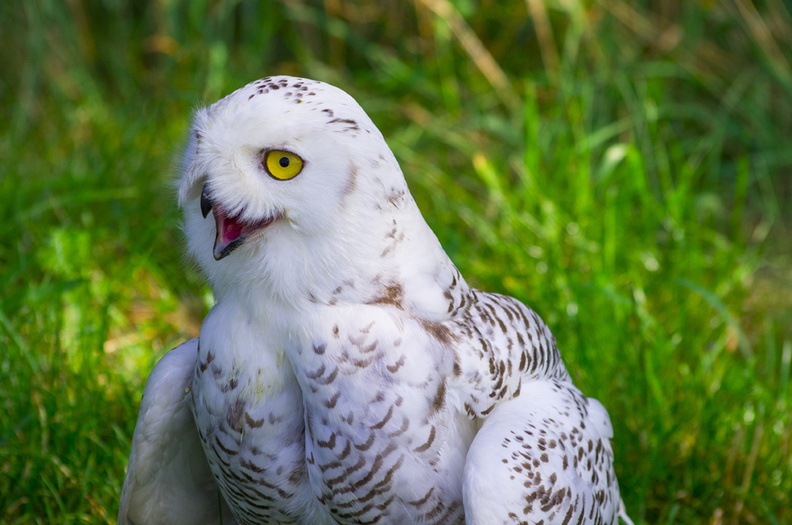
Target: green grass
point(623, 170)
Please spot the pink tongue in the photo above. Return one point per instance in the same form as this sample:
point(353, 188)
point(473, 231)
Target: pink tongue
point(231, 230)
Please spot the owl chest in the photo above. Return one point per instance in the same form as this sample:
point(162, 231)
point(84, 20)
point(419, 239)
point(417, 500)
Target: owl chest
point(250, 420)
point(381, 456)
point(381, 442)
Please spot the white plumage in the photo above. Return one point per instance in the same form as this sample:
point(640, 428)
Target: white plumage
point(347, 373)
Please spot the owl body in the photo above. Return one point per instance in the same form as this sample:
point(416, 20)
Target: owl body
point(330, 437)
point(347, 373)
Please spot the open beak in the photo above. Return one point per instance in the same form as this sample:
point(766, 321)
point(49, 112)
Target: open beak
point(231, 231)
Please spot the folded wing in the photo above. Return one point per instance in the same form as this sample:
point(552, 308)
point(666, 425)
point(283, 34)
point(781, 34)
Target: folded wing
point(168, 479)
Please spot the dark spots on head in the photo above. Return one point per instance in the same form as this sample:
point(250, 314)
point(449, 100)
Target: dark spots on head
point(343, 121)
point(348, 124)
point(267, 84)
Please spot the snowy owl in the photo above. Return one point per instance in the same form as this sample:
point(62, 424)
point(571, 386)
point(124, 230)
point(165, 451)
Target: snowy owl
point(347, 373)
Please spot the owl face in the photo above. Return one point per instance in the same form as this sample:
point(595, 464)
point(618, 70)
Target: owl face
point(284, 168)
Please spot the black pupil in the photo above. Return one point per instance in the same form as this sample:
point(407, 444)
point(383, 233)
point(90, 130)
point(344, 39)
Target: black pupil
point(284, 162)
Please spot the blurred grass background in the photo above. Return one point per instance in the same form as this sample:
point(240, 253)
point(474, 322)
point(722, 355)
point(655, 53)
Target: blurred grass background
point(624, 168)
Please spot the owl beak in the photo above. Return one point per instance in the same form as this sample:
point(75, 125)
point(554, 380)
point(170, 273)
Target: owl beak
point(231, 231)
point(230, 235)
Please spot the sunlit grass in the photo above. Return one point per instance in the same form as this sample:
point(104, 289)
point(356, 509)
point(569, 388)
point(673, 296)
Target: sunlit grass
point(634, 193)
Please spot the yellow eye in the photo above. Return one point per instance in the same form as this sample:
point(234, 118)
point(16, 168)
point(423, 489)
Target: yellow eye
point(282, 165)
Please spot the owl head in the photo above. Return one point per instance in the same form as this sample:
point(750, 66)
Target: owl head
point(287, 186)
